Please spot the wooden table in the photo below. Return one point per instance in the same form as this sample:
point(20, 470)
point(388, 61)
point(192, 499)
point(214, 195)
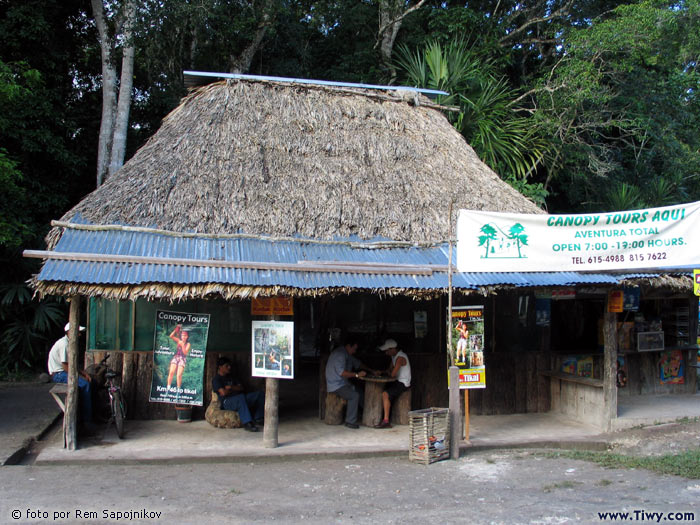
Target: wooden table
point(373, 411)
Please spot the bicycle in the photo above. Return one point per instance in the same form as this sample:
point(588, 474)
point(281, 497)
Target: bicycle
point(117, 406)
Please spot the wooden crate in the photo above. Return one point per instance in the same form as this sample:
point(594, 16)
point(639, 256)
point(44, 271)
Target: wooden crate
point(429, 432)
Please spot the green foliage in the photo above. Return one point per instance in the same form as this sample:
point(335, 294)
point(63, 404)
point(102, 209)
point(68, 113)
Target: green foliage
point(489, 118)
point(27, 328)
point(625, 197)
point(534, 191)
point(623, 110)
point(13, 230)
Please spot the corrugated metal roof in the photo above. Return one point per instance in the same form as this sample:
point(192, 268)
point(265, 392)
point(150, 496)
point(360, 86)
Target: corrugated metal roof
point(158, 245)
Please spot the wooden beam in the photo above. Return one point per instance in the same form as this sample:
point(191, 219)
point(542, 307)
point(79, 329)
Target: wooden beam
point(304, 266)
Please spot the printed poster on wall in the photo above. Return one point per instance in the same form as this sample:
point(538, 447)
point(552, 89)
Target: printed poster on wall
point(543, 311)
point(179, 346)
point(671, 369)
point(467, 325)
point(273, 349)
point(624, 240)
point(420, 324)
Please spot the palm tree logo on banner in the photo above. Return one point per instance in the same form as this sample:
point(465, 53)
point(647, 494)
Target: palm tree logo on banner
point(503, 244)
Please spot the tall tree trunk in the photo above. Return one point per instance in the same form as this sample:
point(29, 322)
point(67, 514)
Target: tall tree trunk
point(241, 63)
point(391, 15)
point(109, 92)
point(126, 83)
point(115, 111)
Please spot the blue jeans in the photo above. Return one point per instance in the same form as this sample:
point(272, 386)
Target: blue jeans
point(245, 404)
point(84, 395)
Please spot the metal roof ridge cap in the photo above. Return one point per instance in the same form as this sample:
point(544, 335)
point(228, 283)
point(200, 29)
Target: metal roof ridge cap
point(328, 83)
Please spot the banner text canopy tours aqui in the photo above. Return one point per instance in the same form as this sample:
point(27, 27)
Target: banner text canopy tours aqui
point(638, 239)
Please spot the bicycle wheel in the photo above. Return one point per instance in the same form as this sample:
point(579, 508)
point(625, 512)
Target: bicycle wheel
point(118, 412)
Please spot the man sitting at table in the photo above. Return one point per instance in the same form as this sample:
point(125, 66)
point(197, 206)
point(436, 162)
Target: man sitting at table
point(342, 365)
point(400, 368)
point(233, 396)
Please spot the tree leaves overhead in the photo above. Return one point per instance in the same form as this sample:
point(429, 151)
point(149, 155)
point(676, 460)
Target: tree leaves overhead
point(622, 108)
point(489, 118)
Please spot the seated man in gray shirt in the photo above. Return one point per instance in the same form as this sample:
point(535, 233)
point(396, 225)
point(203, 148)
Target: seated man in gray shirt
point(341, 366)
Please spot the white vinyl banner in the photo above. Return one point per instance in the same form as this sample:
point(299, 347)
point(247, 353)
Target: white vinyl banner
point(508, 242)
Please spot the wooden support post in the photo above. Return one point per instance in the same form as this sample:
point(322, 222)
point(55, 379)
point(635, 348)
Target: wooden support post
point(466, 414)
point(272, 403)
point(609, 368)
point(270, 431)
point(70, 418)
point(455, 413)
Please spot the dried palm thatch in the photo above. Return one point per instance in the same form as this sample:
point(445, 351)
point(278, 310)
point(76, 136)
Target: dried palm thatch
point(277, 159)
point(673, 283)
point(184, 292)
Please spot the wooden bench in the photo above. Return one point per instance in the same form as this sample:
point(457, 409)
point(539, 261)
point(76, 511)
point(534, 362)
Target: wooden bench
point(56, 391)
point(562, 376)
point(335, 409)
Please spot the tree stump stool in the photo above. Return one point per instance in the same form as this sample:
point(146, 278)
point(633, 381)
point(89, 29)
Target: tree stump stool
point(335, 409)
point(219, 418)
point(400, 408)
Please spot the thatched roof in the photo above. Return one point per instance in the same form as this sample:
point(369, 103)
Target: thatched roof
point(281, 159)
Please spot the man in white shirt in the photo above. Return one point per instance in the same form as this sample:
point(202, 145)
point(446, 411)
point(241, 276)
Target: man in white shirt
point(58, 369)
point(400, 369)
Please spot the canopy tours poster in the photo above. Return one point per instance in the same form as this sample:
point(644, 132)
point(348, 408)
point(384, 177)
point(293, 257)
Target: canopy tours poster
point(178, 357)
point(467, 325)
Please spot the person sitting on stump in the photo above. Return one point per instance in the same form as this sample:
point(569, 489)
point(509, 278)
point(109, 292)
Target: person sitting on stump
point(400, 369)
point(250, 406)
point(340, 367)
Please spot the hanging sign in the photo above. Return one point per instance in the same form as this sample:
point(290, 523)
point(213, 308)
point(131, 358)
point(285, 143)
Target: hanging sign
point(696, 282)
point(178, 357)
point(272, 306)
point(273, 349)
point(467, 325)
point(630, 299)
point(509, 242)
point(615, 300)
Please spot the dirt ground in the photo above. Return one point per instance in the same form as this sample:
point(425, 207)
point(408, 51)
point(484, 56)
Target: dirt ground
point(669, 438)
point(489, 487)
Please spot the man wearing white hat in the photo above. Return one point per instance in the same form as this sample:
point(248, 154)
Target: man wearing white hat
point(58, 369)
point(400, 369)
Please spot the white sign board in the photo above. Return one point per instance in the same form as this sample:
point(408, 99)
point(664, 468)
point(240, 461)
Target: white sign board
point(509, 242)
point(273, 349)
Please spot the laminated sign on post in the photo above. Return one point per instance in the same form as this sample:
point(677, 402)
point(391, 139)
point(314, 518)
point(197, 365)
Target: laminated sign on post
point(509, 242)
point(273, 349)
point(467, 325)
